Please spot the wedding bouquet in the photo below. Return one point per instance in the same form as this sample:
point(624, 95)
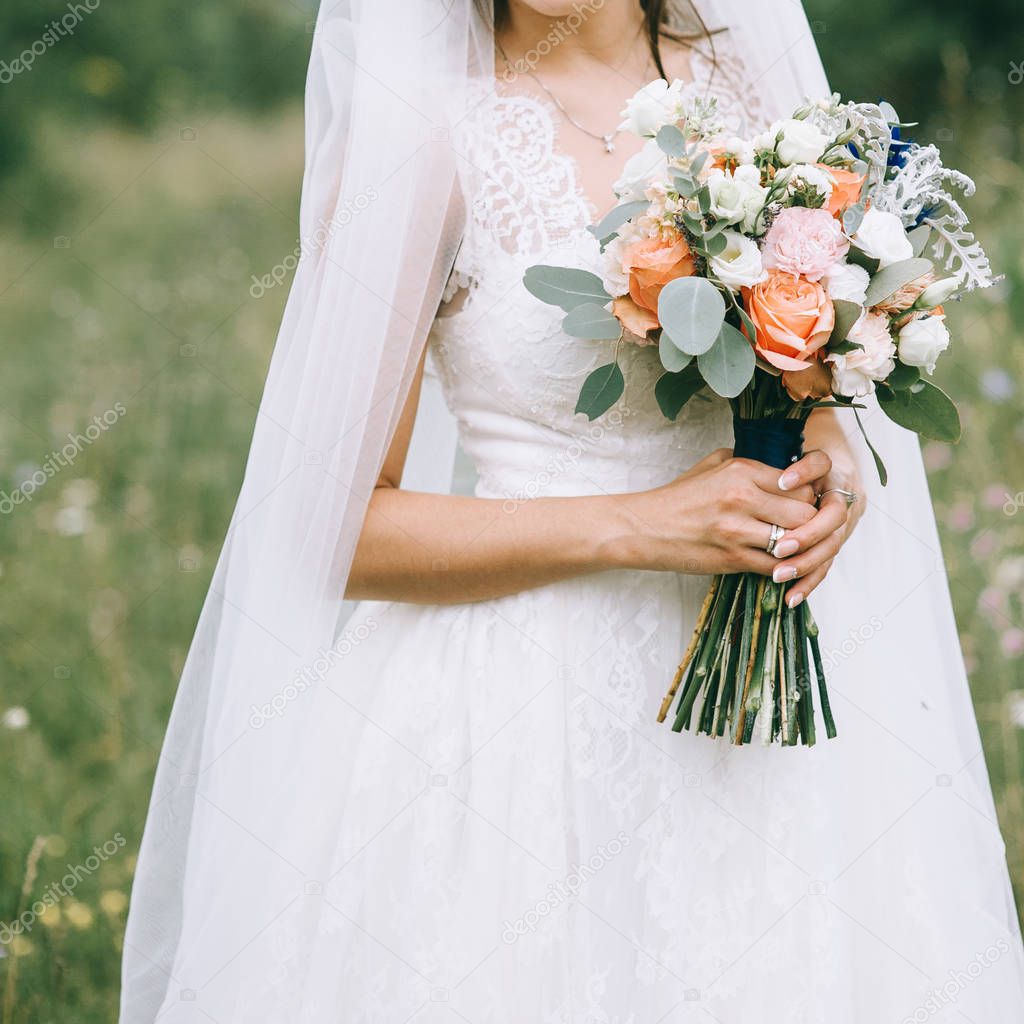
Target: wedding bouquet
point(805, 267)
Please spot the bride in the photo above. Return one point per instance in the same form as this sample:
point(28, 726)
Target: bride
point(455, 804)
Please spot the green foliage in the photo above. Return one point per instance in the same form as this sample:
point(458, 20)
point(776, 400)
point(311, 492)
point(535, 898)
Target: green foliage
point(923, 408)
point(729, 364)
point(601, 390)
point(691, 311)
point(564, 286)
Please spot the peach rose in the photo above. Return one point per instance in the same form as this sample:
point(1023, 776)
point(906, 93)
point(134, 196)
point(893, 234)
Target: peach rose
point(815, 382)
point(636, 320)
point(846, 186)
point(793, 316)
point(651, 264)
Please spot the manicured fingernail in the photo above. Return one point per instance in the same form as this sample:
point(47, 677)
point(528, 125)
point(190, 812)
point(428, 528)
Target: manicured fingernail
point(787, 480)
point(783, 573)
point(793, 600)
point(785, 548)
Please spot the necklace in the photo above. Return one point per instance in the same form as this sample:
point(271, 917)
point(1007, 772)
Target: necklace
point(607, 139)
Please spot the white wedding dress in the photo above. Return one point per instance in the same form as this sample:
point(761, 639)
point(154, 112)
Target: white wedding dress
point(515, 839)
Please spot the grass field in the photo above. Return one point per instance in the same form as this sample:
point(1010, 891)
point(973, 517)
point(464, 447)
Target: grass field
point(134, 315)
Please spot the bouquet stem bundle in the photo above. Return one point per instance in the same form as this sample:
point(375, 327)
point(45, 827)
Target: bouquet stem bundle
point(748, 667)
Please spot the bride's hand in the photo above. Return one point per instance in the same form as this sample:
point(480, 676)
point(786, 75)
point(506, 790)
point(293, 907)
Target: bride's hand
point(807, 552)
point(718, 517)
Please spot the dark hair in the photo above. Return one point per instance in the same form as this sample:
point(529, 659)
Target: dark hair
point(655, 25)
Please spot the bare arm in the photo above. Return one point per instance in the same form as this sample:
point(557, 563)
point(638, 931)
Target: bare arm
point(441, 549)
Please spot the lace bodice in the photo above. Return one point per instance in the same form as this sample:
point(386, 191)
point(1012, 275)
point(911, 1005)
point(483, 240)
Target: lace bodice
point(510, 374)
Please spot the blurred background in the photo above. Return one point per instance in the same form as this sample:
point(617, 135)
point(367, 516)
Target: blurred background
point(150, 162)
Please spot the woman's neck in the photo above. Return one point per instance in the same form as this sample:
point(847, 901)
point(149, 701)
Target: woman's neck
point(605, 32)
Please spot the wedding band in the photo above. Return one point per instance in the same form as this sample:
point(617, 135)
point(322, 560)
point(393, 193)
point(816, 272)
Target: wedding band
point(777, 534)
point(850, 496)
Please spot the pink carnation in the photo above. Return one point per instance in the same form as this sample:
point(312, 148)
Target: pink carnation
point(806, 242)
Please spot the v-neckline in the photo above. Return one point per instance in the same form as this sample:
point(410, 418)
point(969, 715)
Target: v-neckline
point(590, 212)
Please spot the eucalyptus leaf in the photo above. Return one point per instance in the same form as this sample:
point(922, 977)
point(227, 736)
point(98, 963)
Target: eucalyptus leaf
point(671, 140)
point(614, 219)
point(847, 314)
point(684, 185)
point(840, 348)
point(883, 473)
point(890, 279)
point(927, 411)
point(748, 324)
point(672, 358)
point(601, 390)
point(697, 164)
point(674, 390)
point(824, 404)
point(729, 364)
point(704, 199)
point(903, 376)
point(716, 244)
point(862, 259)
point(693, 222)
point(852, 217)
point(691, 310)
point(564, 286)
point(592, 322)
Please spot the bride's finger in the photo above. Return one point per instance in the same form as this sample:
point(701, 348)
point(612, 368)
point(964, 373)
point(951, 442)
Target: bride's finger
point(789, 513)
point(813, 466)
point(802, 588)
point(767, 480)
point(802, 565)
point(830, 517)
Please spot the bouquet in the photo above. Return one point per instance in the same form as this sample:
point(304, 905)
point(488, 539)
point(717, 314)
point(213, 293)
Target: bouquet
point(805, 267)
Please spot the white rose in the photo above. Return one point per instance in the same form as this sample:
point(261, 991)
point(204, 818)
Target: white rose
point(737, 198)
point(801, 142)
point(614, 277)
point(922, 341)
point(847, 281)
point(655, 105)
point(739, 149)
point(738, 265)
point(854, 373)
point(798, 176)
point(936, 294)
point(881, 236)
point(640, 170)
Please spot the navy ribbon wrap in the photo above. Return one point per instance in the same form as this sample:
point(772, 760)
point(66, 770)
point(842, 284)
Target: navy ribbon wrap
point(773, 441)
